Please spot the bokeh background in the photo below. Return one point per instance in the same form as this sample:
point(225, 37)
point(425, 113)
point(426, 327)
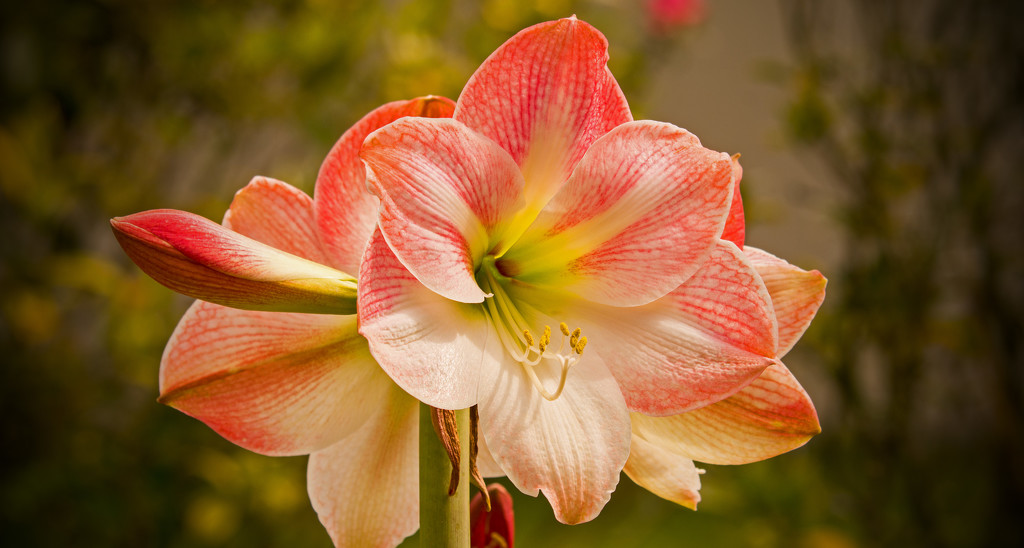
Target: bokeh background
point(882, 143)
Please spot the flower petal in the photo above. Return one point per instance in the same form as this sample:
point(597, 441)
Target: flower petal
point(639, 215)
point(485, 461)
point(545, 96)
point(771, 415)
point(279, 215)
point(202, 259)
point(735, 226)
point(699, 344)
point(425, 342)
point(572, 448)
point(274, 383)
point(345, 212)
point(796, 294)
point(364, 488)
point(664, 471)
point(445, 191)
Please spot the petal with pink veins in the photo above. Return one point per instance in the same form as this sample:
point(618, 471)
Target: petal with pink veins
point(735, 226)
point(796, 294)
point(770, 416)
point(663, 470)
point(445, 193)
point(642, 211)
point(428, 344)
point(364, 487)
point(202, 259)
point(345, 212)
point(274, 383)
point(572, 449)
point(699, 344)
point(279, 215)
point(545, 96)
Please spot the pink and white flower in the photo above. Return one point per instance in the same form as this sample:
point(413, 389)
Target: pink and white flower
point(549, 259)
point(285, 371)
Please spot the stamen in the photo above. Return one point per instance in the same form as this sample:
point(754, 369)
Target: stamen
point(520, 343)
point(580, 345)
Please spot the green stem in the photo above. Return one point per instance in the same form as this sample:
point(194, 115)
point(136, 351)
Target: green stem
point(444, 520)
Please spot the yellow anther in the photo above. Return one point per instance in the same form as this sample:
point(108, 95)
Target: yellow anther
point(564, 328)
point(547, 332)
point(575, 337)
point(528, 336)
point(579, 346)
point(542, 346)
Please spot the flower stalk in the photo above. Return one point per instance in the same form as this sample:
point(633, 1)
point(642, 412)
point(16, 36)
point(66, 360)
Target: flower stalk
point(444, 519)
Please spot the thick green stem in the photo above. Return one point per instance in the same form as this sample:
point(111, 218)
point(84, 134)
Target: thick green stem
point(444, 520)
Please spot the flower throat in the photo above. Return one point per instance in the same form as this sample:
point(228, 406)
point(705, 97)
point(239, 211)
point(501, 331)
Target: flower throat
point(520, 342)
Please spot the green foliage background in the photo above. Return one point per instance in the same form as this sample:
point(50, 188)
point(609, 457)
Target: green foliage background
point(111, 107)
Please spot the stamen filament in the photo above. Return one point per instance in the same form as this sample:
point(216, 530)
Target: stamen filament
point(519, 341)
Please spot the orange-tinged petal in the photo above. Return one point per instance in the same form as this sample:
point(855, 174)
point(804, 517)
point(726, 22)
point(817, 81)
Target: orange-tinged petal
point(735, 226)
point(345, 212)
point(274, 383)
point(429, 345)
point(365, 487)
point(771, 415)
point(640, 214)
point(545, 96)
point(199, 258)
point(796, 294)
point(279, 215)
point(699, 344)
point(663, 470)
point(445, 193)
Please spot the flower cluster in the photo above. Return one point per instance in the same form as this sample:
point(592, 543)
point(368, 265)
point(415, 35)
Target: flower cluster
point(531, 250)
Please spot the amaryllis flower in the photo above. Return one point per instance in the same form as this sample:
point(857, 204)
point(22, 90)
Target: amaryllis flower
point(549, 259)
point(271, 377)
point(771, 415)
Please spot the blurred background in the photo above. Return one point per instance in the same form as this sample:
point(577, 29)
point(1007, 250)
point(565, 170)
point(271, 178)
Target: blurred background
point(882, 143)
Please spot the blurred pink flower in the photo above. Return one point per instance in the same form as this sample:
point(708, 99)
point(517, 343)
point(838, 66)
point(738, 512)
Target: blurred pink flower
point(668, 15)
point(266, 374)
point(542, 203)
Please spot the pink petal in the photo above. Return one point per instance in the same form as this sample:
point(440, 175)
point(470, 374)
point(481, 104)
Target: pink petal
point(639, 215)
point(274, 383)
point(485, 460)
point(663, 470)
point(572, 448)
point(796, 294)
point(428, 344)
point(545, 96)
point(279, 215)
point(771, 415)
point(345, 212)
point(365, 487)
point(202, 259)
point(445, 191)
point(697, 345)
point(735, 226)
